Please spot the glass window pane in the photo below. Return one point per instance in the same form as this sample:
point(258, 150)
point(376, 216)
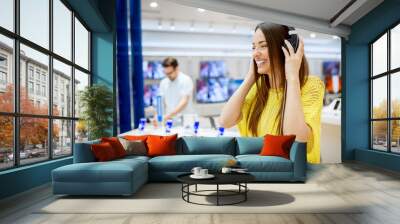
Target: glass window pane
point(395, 94)
point(379, 55)
point(6, 74)
point(62, 138)
point(33, 139)
point(35, 21)
point(379, 135)
point(395, 47)
point(7, 14)
point(62, 89)
point(379, 97)
point(81, 81)
point(6, 142)
point(395, 136)
point(81, 45)
point(34, 96)
point(81, 131)
point(62, 29)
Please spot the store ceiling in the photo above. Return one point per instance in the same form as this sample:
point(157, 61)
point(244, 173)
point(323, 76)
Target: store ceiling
point(325, 16)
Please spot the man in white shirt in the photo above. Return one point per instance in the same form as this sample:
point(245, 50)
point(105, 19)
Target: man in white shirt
point(176, 90)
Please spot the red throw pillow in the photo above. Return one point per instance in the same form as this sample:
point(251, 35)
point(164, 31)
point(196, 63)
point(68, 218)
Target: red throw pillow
point(116, 145)
point(103, 152)
point(136, 137)
point(277, 145)
point(161, 145)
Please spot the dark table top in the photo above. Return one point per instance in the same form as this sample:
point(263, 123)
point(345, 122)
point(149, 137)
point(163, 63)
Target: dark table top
point(220, 178)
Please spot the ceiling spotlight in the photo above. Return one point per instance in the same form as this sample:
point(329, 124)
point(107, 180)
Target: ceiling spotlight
point(335, 37)
point(313, 35)
point(154, 4)
point(201, 10)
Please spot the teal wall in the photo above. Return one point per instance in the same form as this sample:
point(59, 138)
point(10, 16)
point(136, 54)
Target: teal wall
point(355, 130)
point(99, 16)
point(24, 178)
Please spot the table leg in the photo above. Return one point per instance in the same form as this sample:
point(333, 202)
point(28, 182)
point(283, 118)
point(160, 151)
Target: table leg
point(188, 190)
point(217, 194)
point(245, 193)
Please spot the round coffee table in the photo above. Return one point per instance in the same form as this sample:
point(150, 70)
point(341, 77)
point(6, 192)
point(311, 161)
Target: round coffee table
point(238, 179)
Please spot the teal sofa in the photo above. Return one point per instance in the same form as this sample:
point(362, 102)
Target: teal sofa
point(125, 176)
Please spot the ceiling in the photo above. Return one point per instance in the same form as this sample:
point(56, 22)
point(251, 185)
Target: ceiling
point(230, 34)
point(325, 16)
point(171, 10)
point(321, 9)
point(183, 17)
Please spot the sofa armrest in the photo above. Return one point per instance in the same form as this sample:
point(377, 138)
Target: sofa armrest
point(298, 155)
point(83, 152)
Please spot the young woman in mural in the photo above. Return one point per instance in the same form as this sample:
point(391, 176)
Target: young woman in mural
point(278, 96)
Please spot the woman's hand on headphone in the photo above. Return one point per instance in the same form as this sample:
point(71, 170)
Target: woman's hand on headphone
point(250, 74)
point(293, 60)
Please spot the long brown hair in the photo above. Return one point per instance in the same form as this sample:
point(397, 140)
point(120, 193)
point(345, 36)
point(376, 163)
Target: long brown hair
point(274, 35)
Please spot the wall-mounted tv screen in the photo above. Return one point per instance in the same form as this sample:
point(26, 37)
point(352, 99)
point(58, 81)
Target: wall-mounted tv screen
point(153, 70)
point(212, 69)
point(212, 90)
point(150, 93)
point(331, 71)
point(233, 85)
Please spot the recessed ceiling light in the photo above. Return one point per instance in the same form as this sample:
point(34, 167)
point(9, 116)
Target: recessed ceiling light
point(154, 4)
point(335, 37)
point(201, 10)
point(313, 35)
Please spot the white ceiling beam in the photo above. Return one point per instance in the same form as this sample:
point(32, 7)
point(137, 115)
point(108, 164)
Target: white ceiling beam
point(348, 12)
point(270, 15)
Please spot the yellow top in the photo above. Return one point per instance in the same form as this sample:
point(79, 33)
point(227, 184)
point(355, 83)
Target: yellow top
point(312, 94)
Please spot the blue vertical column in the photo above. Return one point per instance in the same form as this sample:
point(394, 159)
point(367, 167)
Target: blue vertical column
point(123, 66)
point(137, 60)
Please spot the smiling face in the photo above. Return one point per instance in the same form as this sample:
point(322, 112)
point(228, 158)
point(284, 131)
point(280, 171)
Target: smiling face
point(260, 53)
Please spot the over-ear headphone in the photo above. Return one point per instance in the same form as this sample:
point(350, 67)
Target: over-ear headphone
point(293, 38)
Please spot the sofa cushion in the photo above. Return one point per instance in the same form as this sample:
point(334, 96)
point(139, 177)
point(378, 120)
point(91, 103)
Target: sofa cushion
point(134, 147)
point(131, 158)
point(257, 163)
point(135, 137)
point(161, 145)
point(83, 152)
point(277, 145)
point(185, 163)
point(112, 171)
point(190, 145)
point(103, 152)
point(249, 145)
point(116, 145)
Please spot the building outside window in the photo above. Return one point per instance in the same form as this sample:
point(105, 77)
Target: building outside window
point(30, 87)
point(59, 134)
point(385, 95)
